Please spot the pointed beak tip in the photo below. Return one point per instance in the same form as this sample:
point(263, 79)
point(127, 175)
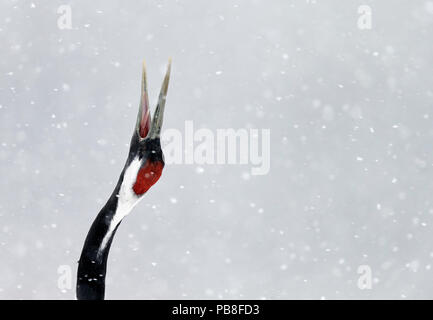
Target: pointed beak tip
point(169, 66)
point(144, 68)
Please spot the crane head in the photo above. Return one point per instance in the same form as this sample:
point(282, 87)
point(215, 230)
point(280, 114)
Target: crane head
point(145, 145)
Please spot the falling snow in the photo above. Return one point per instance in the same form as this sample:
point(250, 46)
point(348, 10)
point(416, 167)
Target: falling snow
point(350, 182)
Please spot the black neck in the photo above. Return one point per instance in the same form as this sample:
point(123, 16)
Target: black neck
point(93, 261)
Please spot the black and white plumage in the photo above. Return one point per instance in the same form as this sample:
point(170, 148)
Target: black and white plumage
point(142, 169)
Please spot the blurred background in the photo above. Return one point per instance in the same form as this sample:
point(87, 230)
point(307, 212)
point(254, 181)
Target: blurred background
point(349, 107)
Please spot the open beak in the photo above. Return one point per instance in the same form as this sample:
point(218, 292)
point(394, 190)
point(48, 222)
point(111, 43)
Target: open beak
point(144, 126)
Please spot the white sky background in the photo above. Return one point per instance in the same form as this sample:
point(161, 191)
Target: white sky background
point(351, 120)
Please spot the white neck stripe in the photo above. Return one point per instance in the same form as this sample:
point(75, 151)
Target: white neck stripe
point(127, 199)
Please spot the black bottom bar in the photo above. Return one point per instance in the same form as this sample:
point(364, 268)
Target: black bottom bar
point(214, 309)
